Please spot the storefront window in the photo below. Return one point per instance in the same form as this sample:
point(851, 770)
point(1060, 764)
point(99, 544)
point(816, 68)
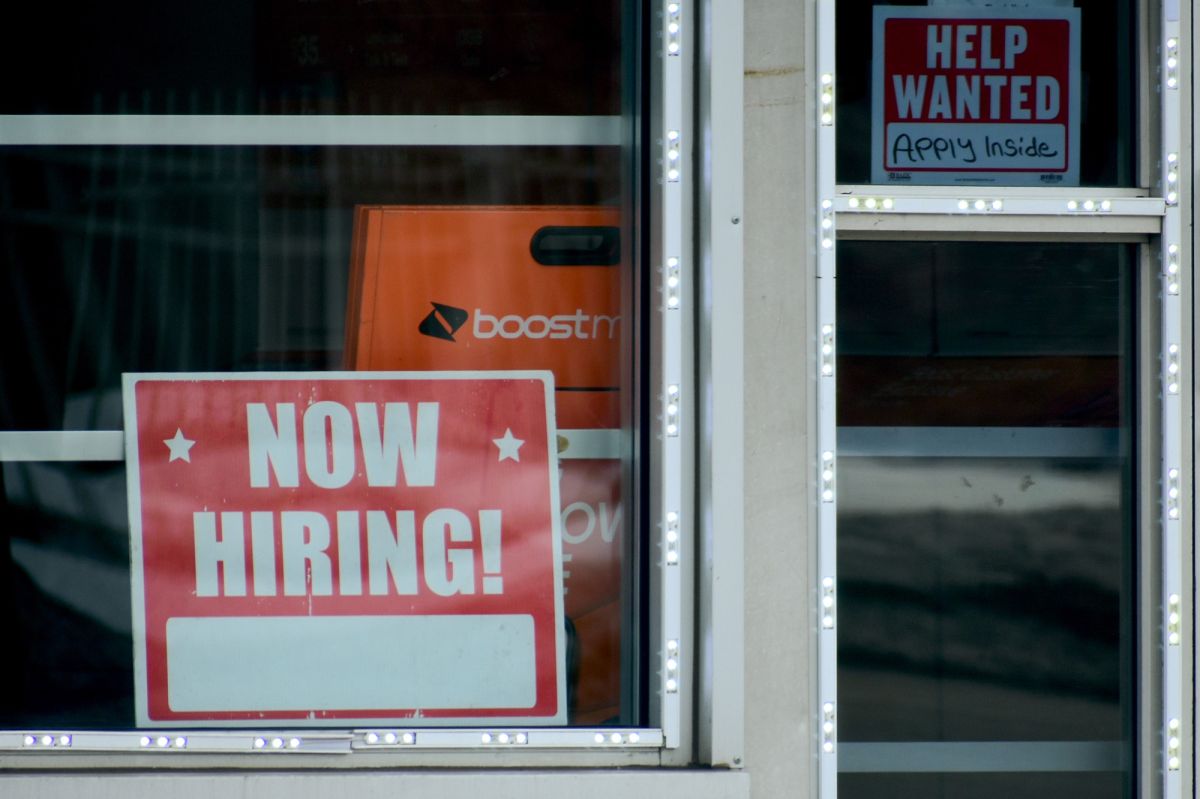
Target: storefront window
point(501, 235)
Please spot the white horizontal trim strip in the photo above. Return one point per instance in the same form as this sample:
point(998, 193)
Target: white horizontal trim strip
point(979, 442)
point(328, 130)
point(977, 756)
point(109, 445)
point(63, 445)
point(598, 443)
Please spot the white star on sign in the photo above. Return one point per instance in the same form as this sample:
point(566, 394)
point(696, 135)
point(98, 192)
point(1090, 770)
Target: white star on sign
point(180, 447)
point(510, 447)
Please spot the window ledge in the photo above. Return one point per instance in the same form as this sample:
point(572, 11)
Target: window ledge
point(592, 784)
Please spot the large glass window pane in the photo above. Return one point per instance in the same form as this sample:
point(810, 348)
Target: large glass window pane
point(227, 259)
point(985, 513)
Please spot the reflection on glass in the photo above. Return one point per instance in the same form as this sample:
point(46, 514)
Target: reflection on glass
point(980, 599)
point(306, 57)
point(216, 258)
point(984, 512)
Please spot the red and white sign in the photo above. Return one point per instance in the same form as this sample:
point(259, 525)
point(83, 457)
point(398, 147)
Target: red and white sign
point(975, 96)
point(341, 548)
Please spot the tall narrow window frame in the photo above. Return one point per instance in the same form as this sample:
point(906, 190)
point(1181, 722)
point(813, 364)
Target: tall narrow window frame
point(1157, 213)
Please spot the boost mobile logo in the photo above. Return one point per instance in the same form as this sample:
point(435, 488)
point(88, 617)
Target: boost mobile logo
point(445, 320)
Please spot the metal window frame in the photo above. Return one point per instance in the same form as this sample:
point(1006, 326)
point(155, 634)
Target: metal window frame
point(675, 421)
point(1162, 218)
point(720, 543)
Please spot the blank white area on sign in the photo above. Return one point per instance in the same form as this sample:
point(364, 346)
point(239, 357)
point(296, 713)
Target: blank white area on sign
point(279, 663)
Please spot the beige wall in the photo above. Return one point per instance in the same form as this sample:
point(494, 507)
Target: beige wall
point(779, 551)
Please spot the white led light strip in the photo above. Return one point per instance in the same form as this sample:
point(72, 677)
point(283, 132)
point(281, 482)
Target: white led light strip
point(674, 402)
point(161, 742)
point(825, 373)
point(1175, 383)
point(506, 738)
point(1086, 204)
point(176, 741)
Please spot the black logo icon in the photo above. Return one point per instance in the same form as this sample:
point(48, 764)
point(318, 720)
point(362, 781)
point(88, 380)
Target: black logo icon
point(443, 321)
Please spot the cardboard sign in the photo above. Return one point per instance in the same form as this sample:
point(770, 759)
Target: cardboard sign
point(503, 287)
point(975, 96)
point(332, 548)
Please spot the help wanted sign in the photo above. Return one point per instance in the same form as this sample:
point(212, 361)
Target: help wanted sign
point(975, 96)
point(345, 547)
